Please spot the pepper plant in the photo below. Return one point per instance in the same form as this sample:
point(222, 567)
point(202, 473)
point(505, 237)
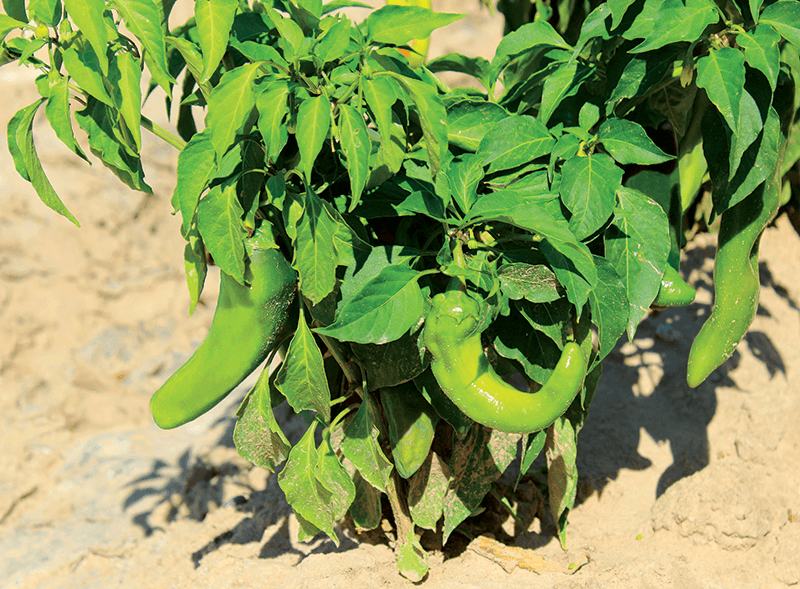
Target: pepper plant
point(439, 238)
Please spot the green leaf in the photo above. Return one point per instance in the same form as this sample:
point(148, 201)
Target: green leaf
point(304, 492)
point(588, 189)
point(427, 490)
point(220, 223)
point(16, 10)
point(469, 121)
point(230, 105)
point(8, 24)
point(531, 36)
point(289, 31)
point(637, 245)
point(432, 117)
point(214, 19)
point(301, 377)
point(386, 308)
point(334, 43)
point(101, 124)
point(88, 18)
point(721, 73)
point(315, 257)
point(534, 349)
point(143, 19)
point(334, 478)
point(628, 143)
point(784, 16)
point(514, 141)
point(192, 56)
point(640, 75)
point(535, 283)
point(398, 25)
point(478, 461)
point(565, 81)
point(412, 558)
point(272, 105)
point(124, 76)
point(356, 147)
point(84, 69)
point(361, 447)
point(390, 364)
point(195, 266)
point(26, 160)
point(762, 51)
point(531, 448)
point(45, 11)
point(313, 124)
point(674, 21)
point(366, 508)
point(610, 307)
point(477, 67)
point(618, 9)
point(257, 435)
point(380, 92)
point(464, 175)
point(59, 115)
point(197, 163)
point(569, 262)
point(561, 451)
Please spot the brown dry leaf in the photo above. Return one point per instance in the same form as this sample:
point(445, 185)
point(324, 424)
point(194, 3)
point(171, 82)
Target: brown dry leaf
point(511, 557)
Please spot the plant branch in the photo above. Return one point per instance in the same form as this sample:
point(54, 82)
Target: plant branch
point(163, 134)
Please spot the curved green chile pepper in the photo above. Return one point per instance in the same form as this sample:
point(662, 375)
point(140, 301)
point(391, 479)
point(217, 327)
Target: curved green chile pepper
point(245, 325)
point(411, 422)
point(736, 282)
point(465, 375)
point(674, 291)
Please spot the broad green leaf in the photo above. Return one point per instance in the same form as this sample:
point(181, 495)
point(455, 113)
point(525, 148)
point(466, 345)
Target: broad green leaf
point(610, 307)
point(191, 55)
point(674, 21)
point(596, 25)
point(346, 241)
point(536, 35)
point(361, 447)
point(366, 508)
point(432, 117)
point(400, 24)
point(464, 175)
point(356, 147)
point(304, 492)
point(762, 51)
point(468, 122)
point(574, 268)
point(637, 245)
point(59, 115)
point(361, 271)
point(381, 93)
point(214, 19)
point(26, 160)
point(195, 266)
point(721, 73)
point(537, 351)
point(426, 492)
point(535, 283)
point(749, 126)
point(124, 75)
point(143, 19)
point(315, 257)
point(477, 67)
point(289, 31)
point(88, 18)
point(588, 189)
point(16, 10)
point(197, 163)
point(84, 69)
point(8, 24)
point(640, 75)
point(784, 16)
point(335, 5)
point(272, 105)
point(313, 125)
point(45, 11)
point(618, 9)
point(386, 308)
point(334, 477)
point(478, 461)
point(101, 124)
point(257, 436)
point(390, 364)
point(561, 451)
point(514, 141)
point(565, 81)
point(412, 558)
point(230, 104)
point(220, 223)
point(301, 377)
point(334, 43)
point(628, 143)
point(531, 448)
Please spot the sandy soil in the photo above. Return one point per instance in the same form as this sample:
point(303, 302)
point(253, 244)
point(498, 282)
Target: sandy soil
point(679, 487)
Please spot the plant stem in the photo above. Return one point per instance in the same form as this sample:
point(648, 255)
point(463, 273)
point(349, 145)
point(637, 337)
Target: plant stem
point(163, 134)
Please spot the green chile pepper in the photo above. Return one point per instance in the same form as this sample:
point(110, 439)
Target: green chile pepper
point(674, 291)
point(411, 422)
point(467, 377)
point(245, 325)
point(736, 282)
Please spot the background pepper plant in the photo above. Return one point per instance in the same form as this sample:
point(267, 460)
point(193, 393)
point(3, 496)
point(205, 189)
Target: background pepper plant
point(550, 201)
